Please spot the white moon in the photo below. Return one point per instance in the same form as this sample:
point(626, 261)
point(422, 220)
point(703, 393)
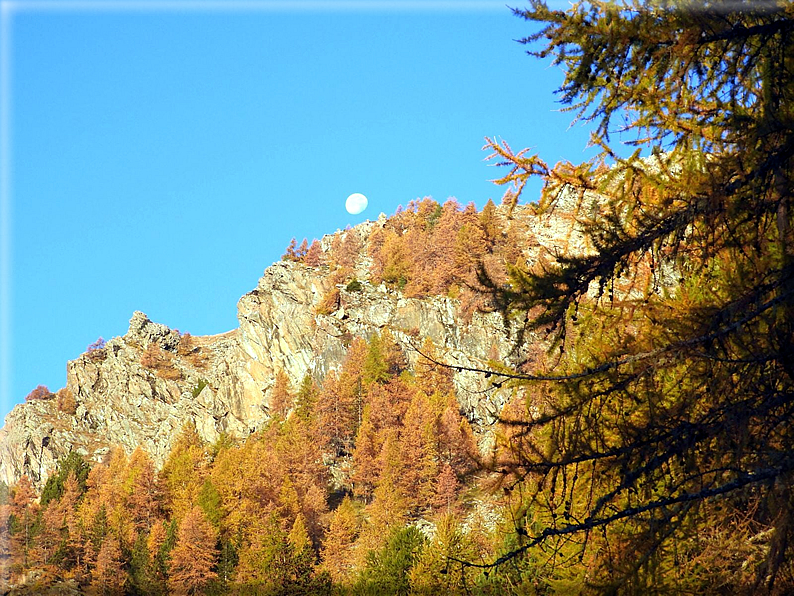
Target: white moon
point(356, 203)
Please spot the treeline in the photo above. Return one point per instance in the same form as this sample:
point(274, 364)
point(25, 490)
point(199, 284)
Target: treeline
point(427, 249)
point(327, 498)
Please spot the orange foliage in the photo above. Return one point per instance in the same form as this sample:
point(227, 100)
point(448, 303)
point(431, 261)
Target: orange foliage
point(337, 411)
point(349, 249)
point(418, 451)
point(338, 548)
point(329, 303)
point(108, 576)
point(160, 361)
point(192, 352)
point(65, 401)
point(144, 498)
point(280, 396)
point(365, 475)
point(432, 249)
point(24, 509)
point(394, 435)
point(40, 392)
point(294, 252)
point(446, 490)
point(194, 556)
point(314, 255)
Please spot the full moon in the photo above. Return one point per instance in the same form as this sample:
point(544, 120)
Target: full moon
point(356, 203)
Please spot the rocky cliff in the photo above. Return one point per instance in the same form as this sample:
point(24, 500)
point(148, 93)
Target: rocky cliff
point(143, 387)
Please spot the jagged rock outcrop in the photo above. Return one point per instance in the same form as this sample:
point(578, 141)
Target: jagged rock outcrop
point(142, 388)
point(222, 383)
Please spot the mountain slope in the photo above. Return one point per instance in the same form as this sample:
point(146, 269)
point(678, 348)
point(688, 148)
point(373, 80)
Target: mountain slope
point(142, 388)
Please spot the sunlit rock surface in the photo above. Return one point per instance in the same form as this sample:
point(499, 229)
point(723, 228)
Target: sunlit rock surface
point(222, 383)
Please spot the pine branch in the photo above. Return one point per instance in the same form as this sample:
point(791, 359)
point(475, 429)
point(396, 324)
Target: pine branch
point(614, 364)
point(631, 512)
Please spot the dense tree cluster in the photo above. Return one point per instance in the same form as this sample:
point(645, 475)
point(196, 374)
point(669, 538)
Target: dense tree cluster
point(423, 250)
point(429, 249)
point(262, 515)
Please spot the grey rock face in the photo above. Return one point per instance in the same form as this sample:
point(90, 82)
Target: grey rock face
point(223, 383)
point(142, 388)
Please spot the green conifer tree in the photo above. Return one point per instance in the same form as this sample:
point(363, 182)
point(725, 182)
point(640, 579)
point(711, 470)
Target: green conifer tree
point(388, 569)
point(376, 369)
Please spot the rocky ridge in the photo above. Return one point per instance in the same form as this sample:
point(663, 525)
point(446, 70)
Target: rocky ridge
point(143, 387)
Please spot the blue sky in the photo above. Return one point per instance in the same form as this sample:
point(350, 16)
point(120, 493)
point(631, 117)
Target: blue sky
point(158, 157)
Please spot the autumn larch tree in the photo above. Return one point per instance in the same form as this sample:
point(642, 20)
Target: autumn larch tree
point(446, 490)
point(181, 474)
point(291, 254)
point(306, 398)
point(349, 249)
point(40, 392)
point(194, 556)
point(314, 255)
point(390, 505)
point(392, 261)
point(157, 543)
point(669, 409)
point(365, 456)
point(108, 575)
point(67, 509)
point(340, 404)
point(418, 452)
point(50, 536)
point(337, 552)
point(336, 412)
point(145, 497)
point(280, 397)
point(22, 522)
